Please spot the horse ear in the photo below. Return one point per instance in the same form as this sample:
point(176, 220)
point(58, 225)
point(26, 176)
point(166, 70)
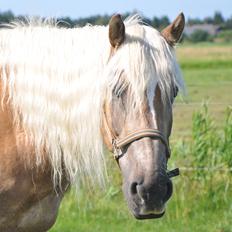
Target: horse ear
point(173, 32)
point(116, 31)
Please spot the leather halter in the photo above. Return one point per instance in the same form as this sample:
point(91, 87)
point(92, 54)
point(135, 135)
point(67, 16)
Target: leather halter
point(119, 144)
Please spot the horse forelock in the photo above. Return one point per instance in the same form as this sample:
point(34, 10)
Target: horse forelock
point(58, 79)
point(144, 58)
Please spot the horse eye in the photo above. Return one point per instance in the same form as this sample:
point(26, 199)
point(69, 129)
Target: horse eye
point(119, 91)
point(117, 94)
point(175, 91)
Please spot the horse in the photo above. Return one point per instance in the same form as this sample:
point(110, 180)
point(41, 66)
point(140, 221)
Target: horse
point(66, 95)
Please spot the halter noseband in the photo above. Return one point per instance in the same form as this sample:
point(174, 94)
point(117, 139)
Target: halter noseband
point(118, 144)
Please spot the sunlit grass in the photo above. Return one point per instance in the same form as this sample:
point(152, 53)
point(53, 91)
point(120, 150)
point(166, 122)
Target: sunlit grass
point(190, 209)
point(205, 56)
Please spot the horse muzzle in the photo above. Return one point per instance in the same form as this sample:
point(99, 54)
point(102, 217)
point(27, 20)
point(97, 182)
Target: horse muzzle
point(149, 203)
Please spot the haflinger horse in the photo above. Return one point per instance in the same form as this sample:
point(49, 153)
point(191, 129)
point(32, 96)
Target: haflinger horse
point(66, 94)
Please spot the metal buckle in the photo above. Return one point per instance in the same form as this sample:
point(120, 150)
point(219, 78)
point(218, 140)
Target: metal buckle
point(117, 152)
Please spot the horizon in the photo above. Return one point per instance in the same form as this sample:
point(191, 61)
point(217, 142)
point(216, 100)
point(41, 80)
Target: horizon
point(74, 10)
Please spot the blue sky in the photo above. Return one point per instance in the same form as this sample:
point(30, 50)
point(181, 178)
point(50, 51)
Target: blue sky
point(149, 8)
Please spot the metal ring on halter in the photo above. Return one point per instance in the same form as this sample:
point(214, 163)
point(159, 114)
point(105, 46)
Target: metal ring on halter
point(117, 152)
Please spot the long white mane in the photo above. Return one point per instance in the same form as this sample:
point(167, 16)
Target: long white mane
point(57, 81)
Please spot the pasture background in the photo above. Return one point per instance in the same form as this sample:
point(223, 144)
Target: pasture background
point(202, 199)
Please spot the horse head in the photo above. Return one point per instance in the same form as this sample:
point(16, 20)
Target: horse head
point(137, 118)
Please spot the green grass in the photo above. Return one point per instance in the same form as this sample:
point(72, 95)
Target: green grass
point(202, 200)
point(206, 64)
point(110, 214)
point(203, 85)
point(205, 56)
point(207, 70)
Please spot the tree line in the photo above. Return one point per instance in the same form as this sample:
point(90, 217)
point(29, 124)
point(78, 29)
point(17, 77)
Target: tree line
point(157, 22)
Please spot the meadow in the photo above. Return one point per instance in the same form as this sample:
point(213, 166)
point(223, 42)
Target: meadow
point(202, 147)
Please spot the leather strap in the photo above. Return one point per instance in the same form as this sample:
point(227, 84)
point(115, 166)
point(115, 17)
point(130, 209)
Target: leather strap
point(118, 144)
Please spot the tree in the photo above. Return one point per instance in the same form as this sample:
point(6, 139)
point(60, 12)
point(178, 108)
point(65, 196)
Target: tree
point(225, 36)
point(228, 23)
point(155, 22)
point(199, 36)
point(164, 22)
point(208, 20)
point(218, 18)
point(194, 21)
point(6, 17)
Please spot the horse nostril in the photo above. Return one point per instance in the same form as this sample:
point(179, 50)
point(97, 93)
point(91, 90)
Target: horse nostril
point(134, 188)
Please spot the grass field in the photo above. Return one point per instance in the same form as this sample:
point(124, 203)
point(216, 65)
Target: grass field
point(207, 70)
point(202, 199)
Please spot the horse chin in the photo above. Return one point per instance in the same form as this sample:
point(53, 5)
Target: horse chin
point(149, 214)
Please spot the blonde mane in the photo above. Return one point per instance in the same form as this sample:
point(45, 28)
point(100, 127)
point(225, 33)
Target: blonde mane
point(58, 79)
